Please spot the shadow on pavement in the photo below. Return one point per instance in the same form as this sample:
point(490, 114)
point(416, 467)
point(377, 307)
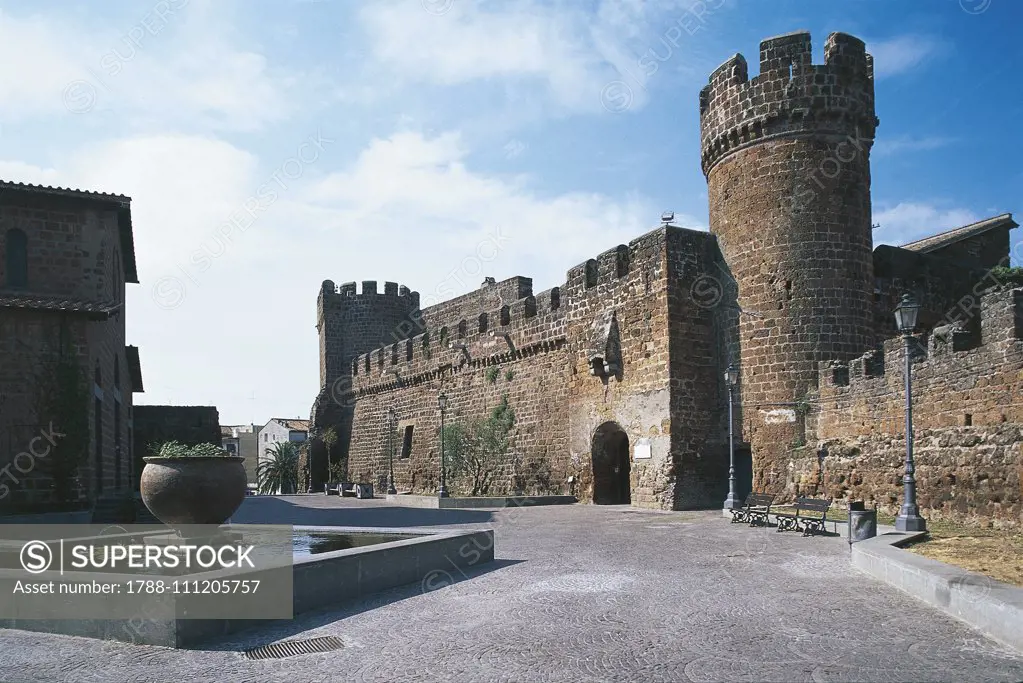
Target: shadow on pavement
point(273, 510)
point(270, 632)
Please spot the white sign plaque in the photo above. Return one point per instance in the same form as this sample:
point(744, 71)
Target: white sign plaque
point(642, 451)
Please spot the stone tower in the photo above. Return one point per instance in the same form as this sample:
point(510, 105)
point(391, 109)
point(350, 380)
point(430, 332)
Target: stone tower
point(350, 324)
point(786, 156)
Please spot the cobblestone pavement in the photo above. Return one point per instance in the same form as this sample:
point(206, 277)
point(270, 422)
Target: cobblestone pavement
point(579, 593)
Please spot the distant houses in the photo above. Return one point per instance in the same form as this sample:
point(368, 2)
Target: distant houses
point(242, 440)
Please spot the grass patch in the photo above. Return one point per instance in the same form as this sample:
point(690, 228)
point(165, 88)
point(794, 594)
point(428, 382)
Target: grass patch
point(997, 553)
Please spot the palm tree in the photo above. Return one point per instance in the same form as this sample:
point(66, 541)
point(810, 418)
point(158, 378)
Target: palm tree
point(278, 473)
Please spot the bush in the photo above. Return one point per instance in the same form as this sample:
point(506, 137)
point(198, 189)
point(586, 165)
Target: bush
point(478, 449)
point(176, 449)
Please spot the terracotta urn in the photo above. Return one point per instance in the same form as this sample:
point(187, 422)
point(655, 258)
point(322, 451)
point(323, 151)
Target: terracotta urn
point(193, 490)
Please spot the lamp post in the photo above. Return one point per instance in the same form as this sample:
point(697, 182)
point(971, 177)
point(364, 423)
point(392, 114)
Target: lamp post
point(731, 379)
point(909, 518)
point(390, 452)
point(442, 401)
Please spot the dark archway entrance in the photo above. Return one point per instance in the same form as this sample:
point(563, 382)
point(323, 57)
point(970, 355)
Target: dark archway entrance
point(610, 453)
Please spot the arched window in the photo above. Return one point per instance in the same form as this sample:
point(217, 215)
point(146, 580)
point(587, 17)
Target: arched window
point(591, 273)
point(17, 258)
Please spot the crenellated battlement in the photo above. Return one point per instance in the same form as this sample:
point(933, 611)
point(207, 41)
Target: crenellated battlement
point(953, 376)
point(334, 295)
point(790, 96)
point(523, 323)
point(617, 265)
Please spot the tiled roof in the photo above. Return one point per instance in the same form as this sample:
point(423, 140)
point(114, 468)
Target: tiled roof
point(943, 239)
point(35, 302)
point(294, 425)
point(64, 191)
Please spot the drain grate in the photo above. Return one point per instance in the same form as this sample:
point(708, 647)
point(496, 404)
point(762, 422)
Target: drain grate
point(290, 648)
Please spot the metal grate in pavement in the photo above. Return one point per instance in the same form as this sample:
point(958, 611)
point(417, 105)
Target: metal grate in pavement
point(290, 648)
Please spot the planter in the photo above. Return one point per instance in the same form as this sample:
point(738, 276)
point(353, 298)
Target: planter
point(194, 490)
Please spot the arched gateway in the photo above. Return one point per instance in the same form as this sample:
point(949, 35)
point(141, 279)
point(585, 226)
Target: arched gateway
point(610, 453)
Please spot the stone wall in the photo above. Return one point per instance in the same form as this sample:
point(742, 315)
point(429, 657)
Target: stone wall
point(786, 155)
point(946, 290)
point(572, 360)
point(78, 249)
point(524, 358)
point(618, 314)
point(967, 419)
point(986, 250)
point(191, 425)
point(701, 324)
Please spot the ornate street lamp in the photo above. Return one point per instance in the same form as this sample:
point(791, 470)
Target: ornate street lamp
point(442, 401)
point(909, 518)
point(731, 379)
point(390, 452)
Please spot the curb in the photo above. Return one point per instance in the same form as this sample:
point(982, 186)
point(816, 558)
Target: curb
point(992, 607)
point(406, 500)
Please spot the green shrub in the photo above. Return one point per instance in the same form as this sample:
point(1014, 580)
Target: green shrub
point(176, 449)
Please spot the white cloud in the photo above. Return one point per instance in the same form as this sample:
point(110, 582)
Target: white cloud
point(409, 209)
point(909, 221)
point(901, 54)
point(573, 54)
point(906, 143)
point(153, 70)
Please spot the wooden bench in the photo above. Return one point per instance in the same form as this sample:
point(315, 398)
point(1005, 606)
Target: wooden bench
point(809, 517)
point(755, 510)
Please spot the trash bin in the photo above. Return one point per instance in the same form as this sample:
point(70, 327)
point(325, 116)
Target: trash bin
point(862, 522)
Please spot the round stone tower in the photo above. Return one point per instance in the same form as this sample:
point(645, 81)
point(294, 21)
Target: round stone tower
point(786, 156)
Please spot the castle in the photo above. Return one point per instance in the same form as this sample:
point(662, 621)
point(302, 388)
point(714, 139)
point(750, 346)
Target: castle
point(616, 375)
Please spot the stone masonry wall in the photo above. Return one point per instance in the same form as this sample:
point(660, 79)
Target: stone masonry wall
point(986, 250)
point(623, 294)
point(700, 316)
point(570, 359)
point(967, 419)
point(786, 156)
point(523, 359)
point(74, 251)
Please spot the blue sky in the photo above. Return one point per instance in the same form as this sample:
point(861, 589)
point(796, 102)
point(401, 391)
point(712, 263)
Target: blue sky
point(435, 142)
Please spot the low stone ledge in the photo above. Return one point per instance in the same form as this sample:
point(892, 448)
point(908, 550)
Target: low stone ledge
point(992, 607)
point(491, 502)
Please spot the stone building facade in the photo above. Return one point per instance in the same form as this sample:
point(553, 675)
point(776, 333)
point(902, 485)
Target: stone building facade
point(66, 376)
point(615, 375)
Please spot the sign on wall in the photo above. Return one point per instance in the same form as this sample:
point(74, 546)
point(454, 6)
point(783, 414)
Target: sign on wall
point(642, 450)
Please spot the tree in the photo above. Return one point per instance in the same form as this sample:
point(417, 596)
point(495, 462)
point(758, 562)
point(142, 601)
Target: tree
point(478, 449)
point(335, 469)
point(278, 473)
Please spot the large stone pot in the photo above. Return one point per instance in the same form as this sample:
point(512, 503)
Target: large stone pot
point(181, 491)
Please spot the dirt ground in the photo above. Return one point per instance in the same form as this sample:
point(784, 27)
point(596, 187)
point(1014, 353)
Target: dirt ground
point(992, 552)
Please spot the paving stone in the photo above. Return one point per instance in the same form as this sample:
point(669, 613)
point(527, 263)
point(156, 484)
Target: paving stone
point(578, 593)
